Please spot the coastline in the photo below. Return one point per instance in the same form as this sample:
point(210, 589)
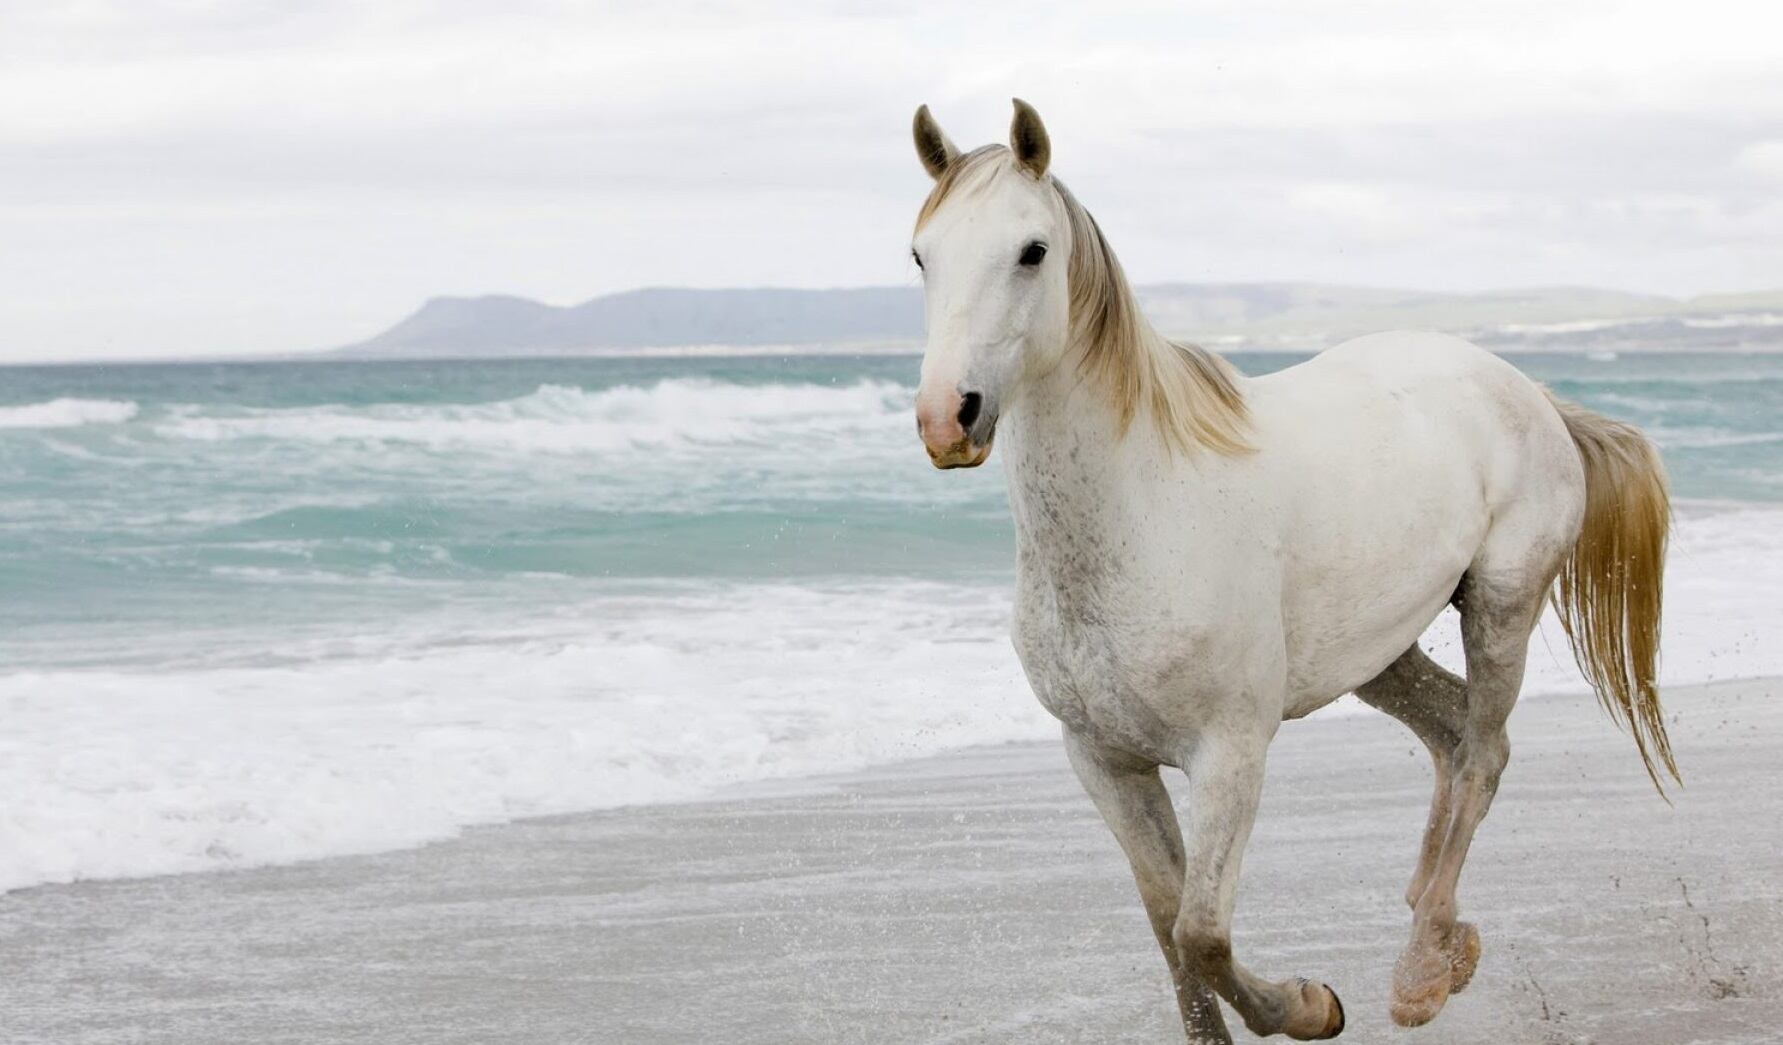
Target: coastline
point(1294, 343)
point(971, 896)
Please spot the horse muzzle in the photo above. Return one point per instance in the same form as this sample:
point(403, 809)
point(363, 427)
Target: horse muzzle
point(963, 454)
point(957, 428)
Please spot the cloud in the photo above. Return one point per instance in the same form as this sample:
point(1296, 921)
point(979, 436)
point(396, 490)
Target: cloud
point(194, 177)
point(1764, 158)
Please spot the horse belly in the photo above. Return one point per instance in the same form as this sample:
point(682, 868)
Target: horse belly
point(1328, 659)
point(1353, 613)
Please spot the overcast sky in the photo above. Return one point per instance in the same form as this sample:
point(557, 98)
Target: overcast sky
point(239, 177)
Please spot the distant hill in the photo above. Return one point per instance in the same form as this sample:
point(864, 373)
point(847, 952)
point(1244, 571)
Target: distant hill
point(1300, 315)
point(651, 318)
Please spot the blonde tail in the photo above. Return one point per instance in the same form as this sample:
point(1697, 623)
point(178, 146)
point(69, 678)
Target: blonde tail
point(1609, 592)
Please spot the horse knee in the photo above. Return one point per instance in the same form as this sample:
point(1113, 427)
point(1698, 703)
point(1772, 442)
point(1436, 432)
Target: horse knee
point(1206, 953)
point(1482, 760)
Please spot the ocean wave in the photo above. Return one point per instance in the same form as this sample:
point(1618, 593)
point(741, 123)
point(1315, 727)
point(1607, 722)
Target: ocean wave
point(1708, 438)
point(562, 419)
point(623, 698)
point(1723, 321)
point(1737, 319)
point(1573, 326)
point(124, 772)
point(67, 413)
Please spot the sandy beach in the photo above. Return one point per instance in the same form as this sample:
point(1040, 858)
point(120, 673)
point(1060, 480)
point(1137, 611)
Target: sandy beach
point(542, 523)
point(972, 897)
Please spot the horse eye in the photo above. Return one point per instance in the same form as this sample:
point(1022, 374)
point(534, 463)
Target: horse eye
point(914, 256)
point(1033, 253)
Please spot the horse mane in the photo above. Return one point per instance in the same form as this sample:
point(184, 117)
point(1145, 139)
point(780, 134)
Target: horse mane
point(1191, 394)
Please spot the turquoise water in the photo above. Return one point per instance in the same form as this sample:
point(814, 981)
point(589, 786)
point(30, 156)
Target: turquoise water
point(261, 612)
point(343, 479)
point(346, 479)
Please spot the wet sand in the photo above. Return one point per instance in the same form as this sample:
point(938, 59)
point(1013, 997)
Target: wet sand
point(973, 897)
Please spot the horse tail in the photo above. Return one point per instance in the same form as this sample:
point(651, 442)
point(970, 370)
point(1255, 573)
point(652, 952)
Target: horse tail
point(1609, 591)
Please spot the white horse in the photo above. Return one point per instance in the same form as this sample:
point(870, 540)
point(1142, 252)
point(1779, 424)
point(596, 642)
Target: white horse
point(1202, 555)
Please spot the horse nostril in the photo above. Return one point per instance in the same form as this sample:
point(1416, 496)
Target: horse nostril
point(970, 404)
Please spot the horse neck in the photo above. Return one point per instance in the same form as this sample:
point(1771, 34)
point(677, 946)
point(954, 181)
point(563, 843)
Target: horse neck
point(1074, 479)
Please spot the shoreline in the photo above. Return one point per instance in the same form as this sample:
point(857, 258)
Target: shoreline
point(1281, 345)
point(967, 896)
point(794, 785)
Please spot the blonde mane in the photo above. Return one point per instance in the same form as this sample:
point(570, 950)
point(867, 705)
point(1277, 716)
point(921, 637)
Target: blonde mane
point(1191, 394)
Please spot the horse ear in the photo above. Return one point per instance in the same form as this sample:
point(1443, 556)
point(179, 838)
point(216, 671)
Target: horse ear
point(932, 146)
point(1028, 140)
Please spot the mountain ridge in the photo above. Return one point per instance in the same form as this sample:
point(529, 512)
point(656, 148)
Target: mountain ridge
point(676, 317)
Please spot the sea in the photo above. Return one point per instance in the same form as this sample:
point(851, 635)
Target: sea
point(259, 612)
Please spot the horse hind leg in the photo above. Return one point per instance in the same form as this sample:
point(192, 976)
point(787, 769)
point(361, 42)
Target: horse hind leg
point(1432, 702)
point(1498, 611)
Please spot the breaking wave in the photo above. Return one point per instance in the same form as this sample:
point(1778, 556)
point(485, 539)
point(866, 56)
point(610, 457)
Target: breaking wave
point(561, 419)
point(67, 413)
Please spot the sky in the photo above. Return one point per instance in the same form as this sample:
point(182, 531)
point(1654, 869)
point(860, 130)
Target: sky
point(195, 178)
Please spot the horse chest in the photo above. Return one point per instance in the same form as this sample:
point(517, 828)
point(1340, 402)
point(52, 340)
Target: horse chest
point(1137, 688)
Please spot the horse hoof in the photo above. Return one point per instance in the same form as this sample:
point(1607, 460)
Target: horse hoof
point(1421, 986)
point(1323, 1014)
point(1464, 956)
point(1334, 1025)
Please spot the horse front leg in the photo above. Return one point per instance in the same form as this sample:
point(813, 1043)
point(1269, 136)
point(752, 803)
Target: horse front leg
point(1225, 784)
point(1131, 798)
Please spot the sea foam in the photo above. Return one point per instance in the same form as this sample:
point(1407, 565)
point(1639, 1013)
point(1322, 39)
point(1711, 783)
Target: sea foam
point(67, 413)
point(561, 419)
point(116, 773)
point(621, 699)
